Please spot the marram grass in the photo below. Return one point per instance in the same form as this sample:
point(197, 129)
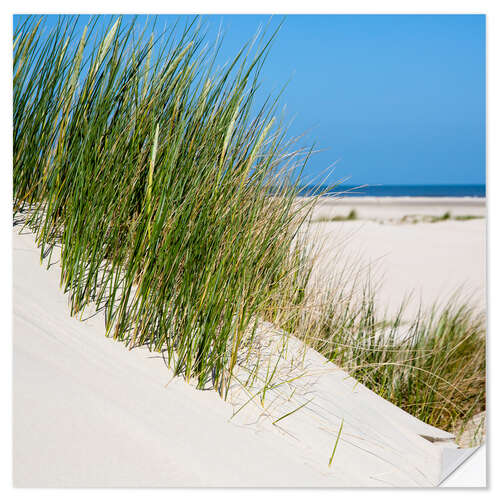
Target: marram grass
point(154, 174)
point(431, 363)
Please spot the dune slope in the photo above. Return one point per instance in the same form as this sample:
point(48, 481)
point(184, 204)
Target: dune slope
point(89, 412)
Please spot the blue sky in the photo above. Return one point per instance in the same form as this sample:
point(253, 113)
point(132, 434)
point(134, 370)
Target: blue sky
point(391, 99)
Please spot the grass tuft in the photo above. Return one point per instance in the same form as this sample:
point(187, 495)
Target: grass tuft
point(352, 215)
point(431, 364)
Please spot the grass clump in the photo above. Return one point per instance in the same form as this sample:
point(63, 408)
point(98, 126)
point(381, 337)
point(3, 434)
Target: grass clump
point(440, 218)
point(432, 365)
point(414, 219)
point(153, 172)
point(352, 215)
point(468, 217)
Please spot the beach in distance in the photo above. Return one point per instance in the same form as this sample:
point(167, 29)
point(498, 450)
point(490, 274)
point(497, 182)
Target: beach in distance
point(430, 247)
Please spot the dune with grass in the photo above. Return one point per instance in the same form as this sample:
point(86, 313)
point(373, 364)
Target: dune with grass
point(89, 412)
point(171, 321)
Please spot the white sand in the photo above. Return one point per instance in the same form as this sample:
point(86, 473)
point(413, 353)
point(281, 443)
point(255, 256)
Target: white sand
point(387, 207)
point(431, 261)
point(88, 412)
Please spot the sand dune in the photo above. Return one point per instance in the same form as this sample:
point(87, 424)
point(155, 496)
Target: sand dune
point(89, 412)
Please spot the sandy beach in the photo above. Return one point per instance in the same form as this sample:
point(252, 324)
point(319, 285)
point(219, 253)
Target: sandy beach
point(428, 259)
point(89, 412)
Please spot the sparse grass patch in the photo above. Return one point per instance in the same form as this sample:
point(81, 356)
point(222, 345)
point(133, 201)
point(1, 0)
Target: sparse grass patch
point(415, 219)
point(352, 215)
point(440, 218)
point(432, 365)
point(468, 217)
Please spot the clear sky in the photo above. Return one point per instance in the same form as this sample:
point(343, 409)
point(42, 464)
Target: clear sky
point(391, 99)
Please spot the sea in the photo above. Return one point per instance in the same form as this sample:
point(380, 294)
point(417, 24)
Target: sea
point(380, 190)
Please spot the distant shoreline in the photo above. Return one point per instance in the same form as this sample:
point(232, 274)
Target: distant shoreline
point(397, 191)
point(428, 201)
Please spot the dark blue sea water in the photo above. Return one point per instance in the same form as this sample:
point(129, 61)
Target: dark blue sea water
point(456, 191)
